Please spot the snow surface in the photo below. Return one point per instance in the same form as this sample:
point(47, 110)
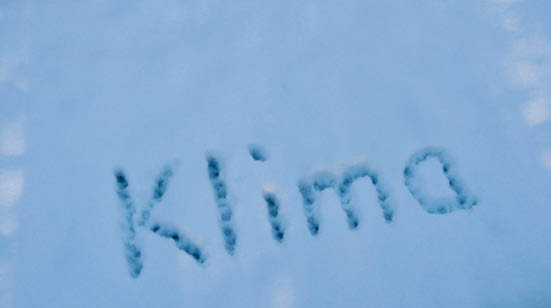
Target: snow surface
point(92, 88)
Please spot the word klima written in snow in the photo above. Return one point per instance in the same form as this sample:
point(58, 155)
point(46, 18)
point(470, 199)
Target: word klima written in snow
point(309, 187)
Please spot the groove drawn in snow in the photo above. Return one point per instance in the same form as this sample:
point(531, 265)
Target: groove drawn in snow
point(278, 229)
point(133, 253)
point(463, 199)
point(310, 186)
point(161, 183)
point(258, 152)
point(306, 186)
point(351, 174)
point(221, 198)
point(181, 241)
